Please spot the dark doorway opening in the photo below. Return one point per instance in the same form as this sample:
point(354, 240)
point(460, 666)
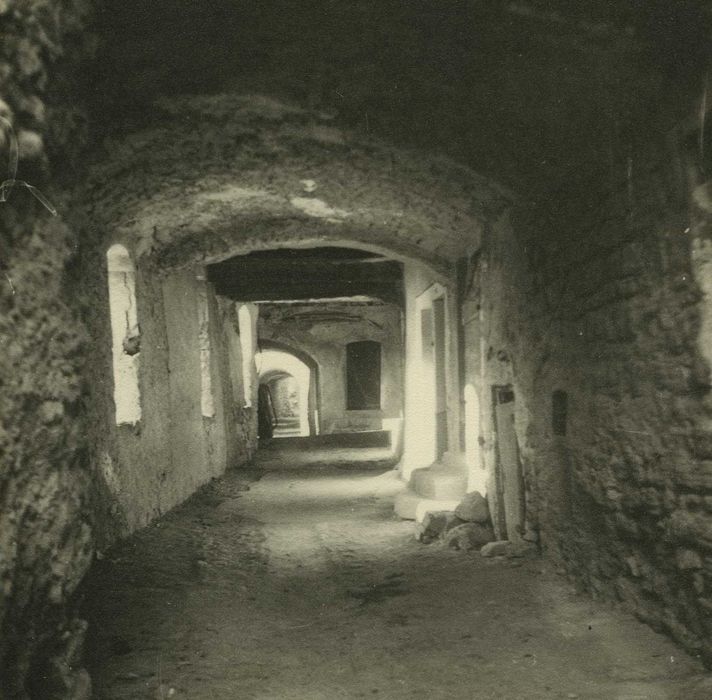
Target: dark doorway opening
point(363, 375)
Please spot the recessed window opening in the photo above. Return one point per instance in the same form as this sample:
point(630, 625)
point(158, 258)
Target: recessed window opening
point(559, 412)
point(125, 334)
point(363, 375)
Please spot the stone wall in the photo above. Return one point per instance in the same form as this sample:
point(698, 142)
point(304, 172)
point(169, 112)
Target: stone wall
point(638, 476)
point(607, 303)
point(45, 532)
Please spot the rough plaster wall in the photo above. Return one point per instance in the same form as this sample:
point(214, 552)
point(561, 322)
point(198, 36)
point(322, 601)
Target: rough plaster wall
point(216, 426)
point(145, 470)
point(188, 439)
point(221, 428)
point(129, 462)
point(307, 328)
point(502, 335)
point(45, 537)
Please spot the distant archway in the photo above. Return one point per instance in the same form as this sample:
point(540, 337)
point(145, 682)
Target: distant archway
point(275, 367)
point(314, 378)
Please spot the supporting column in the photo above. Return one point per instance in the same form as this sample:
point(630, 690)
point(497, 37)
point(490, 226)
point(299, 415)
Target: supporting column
point(432, 462)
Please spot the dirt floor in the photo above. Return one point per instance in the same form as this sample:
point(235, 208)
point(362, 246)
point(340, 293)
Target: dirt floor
point(293, 580)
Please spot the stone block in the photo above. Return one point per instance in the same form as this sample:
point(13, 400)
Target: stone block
point(473, 508)
point(627, 526)
point(469, 536)
point(695, 474)
point(435, 525)
point(643, 500)
point(406, 504)
point(428, 505)
point(439, 484)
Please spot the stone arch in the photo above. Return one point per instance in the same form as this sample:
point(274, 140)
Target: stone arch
point(313, 397)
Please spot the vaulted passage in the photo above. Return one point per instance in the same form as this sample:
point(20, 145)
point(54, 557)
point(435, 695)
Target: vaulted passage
point(432, 279)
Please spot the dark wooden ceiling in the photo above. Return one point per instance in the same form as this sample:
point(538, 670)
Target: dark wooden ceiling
point(303, 274)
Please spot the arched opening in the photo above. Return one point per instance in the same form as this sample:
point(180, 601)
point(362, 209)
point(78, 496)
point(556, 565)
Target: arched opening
point(313, 392)
point(285, 383)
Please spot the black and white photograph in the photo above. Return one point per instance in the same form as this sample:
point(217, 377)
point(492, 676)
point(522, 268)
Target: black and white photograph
point(355, 349)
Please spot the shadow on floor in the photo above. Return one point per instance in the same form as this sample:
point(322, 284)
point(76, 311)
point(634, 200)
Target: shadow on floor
point(299, 583)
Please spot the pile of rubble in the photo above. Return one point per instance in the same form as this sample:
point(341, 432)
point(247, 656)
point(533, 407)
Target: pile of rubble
point(468, 527)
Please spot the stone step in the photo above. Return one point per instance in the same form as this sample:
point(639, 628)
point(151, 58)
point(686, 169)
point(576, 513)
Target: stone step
point(439, 484)
point(368, 438)
point(411, 506)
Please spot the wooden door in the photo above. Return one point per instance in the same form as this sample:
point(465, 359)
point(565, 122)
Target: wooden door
point(508, 471)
